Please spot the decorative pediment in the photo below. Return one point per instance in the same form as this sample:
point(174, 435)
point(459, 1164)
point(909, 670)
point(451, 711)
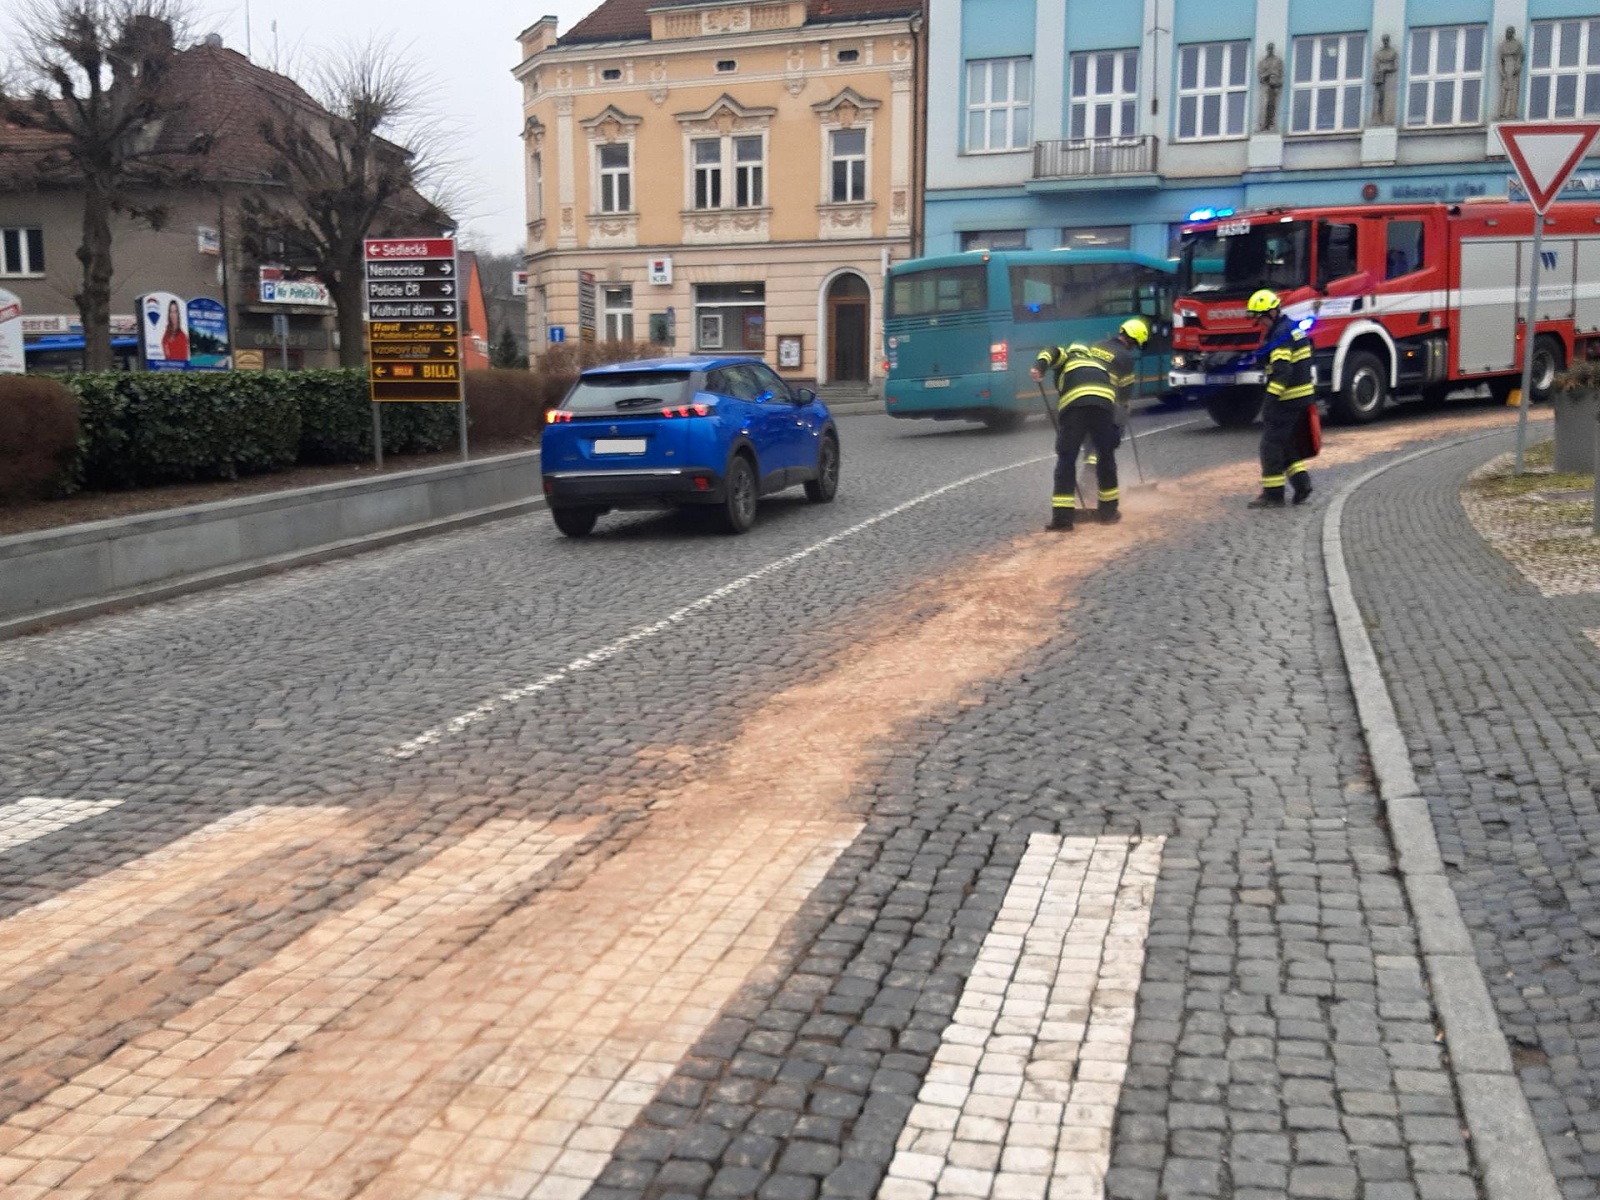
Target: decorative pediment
point(845, 108)
point(609, 124)
point(726, 111)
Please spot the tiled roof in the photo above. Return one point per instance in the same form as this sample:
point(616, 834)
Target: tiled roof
point(624, 20)
point(215, 132)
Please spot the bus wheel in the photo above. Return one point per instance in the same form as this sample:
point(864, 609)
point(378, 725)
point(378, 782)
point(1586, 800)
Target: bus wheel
point(1003, 421)
point(1548, 359)
point(1234, 408)
point(1365, 393)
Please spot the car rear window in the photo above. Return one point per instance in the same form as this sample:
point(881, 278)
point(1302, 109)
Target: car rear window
point(623, 390)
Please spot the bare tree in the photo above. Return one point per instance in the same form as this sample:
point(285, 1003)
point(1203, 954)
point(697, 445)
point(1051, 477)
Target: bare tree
point(347, 170)
point(95, 76)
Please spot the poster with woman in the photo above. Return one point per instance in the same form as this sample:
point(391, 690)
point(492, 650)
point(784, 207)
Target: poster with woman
point(165, 332)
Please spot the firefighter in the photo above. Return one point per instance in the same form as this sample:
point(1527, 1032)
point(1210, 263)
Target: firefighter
point(1291, 383)
point(1094, 385)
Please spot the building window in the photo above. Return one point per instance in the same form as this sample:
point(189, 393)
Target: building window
point(1565, 77)
point(611, 74)
point(847, 149)
point(730, 316)
point(1097, 237)
point(1326, 96)
point(995, 239)
point(708, 172)
point(747, 171)
point(616, 178)
point(1446, 85)
point(726, 65)
point(618, 309)
point(538, 186)
point(1105, 94)
point(849, 56)
point(21, 252)
point(1213, 83)
point(999, 104)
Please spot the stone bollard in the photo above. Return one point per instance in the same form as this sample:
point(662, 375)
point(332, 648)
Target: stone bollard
point(1576, 413)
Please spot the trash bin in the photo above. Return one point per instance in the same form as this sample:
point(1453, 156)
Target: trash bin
point(1577, 422)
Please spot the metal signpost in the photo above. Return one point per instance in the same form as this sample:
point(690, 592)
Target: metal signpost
point(414, 311)
point(1544, 154)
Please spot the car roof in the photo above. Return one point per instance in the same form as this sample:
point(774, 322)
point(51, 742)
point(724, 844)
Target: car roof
point(680, 363)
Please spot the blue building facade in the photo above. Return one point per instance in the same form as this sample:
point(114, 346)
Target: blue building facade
point(1086, 123)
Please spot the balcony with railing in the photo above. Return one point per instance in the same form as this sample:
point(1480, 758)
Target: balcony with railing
point(1095, 158)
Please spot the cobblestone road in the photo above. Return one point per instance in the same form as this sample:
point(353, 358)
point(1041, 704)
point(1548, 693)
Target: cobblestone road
point(893, 849)
point(1499, 694)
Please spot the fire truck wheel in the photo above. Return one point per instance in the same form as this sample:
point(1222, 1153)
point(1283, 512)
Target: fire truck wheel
point(1549, 357)
point(1365, 393)
point(1234, 408)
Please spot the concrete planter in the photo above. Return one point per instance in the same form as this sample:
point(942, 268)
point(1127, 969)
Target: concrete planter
point(1577, 430)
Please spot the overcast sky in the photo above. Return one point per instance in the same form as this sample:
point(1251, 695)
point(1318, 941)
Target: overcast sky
point(468, 46)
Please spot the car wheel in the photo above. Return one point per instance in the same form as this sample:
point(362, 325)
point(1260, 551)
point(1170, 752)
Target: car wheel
point(824, 487)
point(575, 522)
point(1365, 392)
point(1235, 407)
point(740, 495)
point(1549, 357)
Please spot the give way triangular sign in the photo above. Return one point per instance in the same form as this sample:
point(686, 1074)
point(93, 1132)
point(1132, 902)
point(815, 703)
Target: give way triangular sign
point(1545, 153)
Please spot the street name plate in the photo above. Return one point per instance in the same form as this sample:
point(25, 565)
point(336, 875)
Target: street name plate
point(413, 334)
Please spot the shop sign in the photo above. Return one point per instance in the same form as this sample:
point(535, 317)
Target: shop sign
point(278, 288)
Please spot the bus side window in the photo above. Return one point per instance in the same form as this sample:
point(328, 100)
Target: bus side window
point(1336, 252)
point(1404, 249)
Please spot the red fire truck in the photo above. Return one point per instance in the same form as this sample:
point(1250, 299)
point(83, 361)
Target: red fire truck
point(1401, 299)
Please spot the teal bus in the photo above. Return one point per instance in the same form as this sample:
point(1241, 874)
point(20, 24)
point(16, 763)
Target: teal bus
point(961, 331)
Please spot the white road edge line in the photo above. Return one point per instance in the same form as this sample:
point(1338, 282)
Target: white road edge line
point(611, 649)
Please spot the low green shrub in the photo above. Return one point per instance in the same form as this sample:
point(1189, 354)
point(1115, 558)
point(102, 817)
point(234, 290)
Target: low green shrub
point(38, 437)
point(336, 418)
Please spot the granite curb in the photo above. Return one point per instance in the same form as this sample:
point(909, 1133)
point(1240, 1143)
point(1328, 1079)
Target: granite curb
point(1505, 1141)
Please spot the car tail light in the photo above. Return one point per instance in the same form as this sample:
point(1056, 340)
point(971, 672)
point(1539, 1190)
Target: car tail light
point(702, 483)
point(999, 357)
point(687, 410)
point(557, 416)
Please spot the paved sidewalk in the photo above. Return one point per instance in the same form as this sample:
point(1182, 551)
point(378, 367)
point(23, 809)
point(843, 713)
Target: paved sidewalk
point(1498, 691)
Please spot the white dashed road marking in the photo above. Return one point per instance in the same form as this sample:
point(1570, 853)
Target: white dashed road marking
point(33, 817)
point(611, 649)
point(1020, 1099)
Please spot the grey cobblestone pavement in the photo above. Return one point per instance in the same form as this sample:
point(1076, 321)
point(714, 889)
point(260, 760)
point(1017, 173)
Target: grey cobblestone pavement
point(1498, 692)
point(783, 901)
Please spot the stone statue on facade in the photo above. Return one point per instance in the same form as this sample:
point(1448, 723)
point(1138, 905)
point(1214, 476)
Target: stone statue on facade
point(1385, 67)
point(1269, 73)
point(1512, 57)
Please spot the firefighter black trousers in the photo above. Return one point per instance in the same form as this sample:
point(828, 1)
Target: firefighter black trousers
point(1280, 421)
point(1097, 425)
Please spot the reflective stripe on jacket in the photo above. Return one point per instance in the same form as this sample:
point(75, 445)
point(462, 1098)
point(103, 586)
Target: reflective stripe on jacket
point(1289, 371)
point(1101, 374)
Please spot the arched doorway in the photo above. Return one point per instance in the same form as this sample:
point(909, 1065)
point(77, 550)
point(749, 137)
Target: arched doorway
point(849, 328)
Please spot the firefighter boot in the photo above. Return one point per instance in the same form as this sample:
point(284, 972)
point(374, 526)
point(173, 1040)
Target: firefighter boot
point(1271, 497)
point(1060, 520)
point(1107, 513)
point(1300, 481)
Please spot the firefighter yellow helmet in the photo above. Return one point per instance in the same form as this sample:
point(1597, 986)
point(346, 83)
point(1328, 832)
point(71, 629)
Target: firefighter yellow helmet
point(1136, 329)
point(1264, 301)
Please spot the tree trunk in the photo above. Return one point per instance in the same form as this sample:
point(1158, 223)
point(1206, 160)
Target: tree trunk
point(349, 296)
point(94, 301)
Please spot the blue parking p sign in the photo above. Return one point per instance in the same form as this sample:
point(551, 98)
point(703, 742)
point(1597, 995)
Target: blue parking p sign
point(558, 333)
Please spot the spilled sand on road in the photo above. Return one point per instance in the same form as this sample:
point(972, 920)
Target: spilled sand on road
point(517, 1062)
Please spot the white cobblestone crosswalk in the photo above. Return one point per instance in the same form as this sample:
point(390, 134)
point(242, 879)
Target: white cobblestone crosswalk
point(1020, 1099)
point(33, 817)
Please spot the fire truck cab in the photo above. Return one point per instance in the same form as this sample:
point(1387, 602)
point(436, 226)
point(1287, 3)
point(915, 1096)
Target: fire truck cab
point(1412, 300)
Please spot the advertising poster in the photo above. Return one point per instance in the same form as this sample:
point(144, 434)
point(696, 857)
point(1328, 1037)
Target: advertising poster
point(208, 336)
point(164, 332)
point(12, 359)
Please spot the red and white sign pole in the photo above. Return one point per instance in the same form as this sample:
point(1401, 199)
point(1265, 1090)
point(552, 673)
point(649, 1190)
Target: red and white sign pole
point(1544, 154)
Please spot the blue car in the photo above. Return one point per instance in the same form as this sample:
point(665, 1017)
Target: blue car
point(714, 432)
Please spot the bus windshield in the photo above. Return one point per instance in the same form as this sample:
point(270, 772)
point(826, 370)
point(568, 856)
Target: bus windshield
point(1272, 255)
point(940, 290)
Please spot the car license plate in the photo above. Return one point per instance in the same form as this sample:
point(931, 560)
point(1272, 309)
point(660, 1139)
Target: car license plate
point(1221, 380)
point(619, 445)
point(935, 383)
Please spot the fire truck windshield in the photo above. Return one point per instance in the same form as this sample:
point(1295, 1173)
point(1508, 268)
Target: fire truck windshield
point(1235, 258)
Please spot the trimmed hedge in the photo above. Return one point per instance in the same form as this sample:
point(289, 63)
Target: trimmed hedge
point(336, 418)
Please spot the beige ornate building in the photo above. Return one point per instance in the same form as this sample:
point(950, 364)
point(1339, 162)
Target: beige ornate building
point(729, 177)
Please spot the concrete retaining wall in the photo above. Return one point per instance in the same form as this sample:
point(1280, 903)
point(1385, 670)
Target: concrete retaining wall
point(61, 573)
